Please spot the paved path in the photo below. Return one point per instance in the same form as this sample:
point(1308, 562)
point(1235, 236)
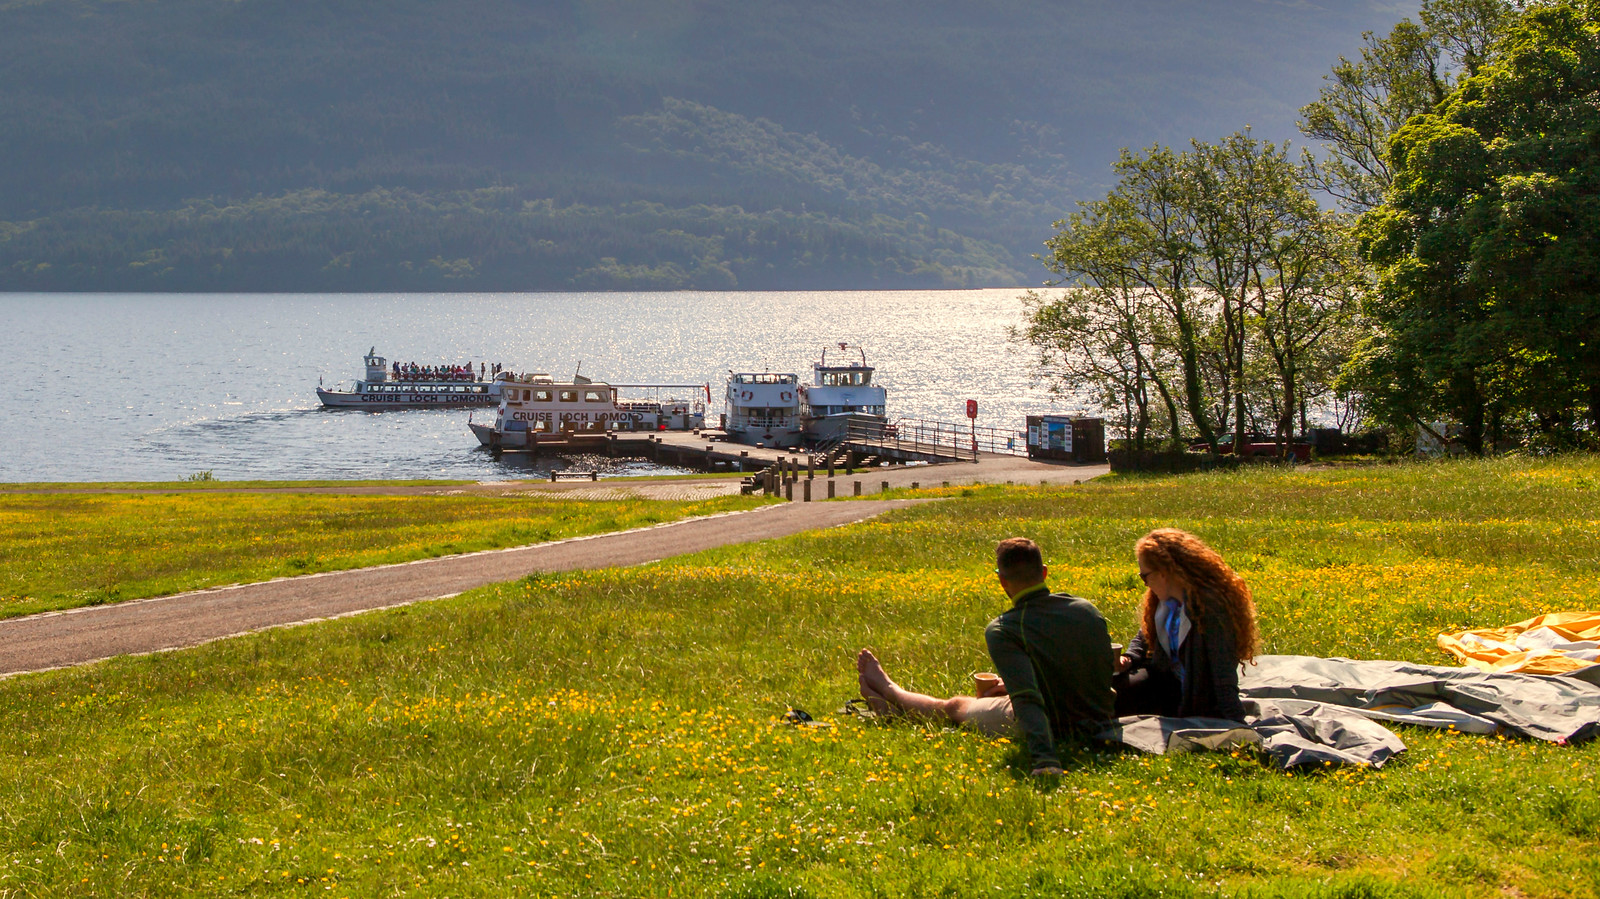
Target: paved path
point(58, 639)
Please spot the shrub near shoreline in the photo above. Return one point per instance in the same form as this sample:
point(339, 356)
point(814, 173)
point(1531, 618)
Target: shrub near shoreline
point(616, 732)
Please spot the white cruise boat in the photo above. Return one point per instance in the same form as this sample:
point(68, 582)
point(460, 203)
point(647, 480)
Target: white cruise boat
point(412, 387)
point(841, 393)
point(535, 408)
point(763, 408)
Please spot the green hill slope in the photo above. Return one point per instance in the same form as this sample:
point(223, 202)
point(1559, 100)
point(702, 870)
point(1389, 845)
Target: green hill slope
point(492, 144)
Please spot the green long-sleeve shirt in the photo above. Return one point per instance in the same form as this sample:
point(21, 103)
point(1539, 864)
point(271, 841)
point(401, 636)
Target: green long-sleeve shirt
point(1054, 653)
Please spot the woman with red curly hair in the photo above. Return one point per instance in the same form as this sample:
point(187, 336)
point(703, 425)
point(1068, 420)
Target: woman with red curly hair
point(1197, 627)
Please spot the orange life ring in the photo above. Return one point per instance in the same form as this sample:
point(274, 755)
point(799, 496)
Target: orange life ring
point(745, 395)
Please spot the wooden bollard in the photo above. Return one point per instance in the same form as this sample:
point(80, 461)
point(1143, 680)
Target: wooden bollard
point(830, 466)
point(884, 488)
point(788, 491)
point(806, 490)
point(858, 488)
point(830, 488)
point(811, 466)
point(916, 485)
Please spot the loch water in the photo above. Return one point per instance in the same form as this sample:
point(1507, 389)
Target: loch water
point(123, 387)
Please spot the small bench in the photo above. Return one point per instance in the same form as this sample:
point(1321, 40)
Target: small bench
point(574, 476)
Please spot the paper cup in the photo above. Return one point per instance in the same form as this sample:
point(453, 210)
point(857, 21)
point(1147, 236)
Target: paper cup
point(983, 682)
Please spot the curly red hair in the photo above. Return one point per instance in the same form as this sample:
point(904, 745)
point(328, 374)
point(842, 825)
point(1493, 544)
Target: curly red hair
point(1205, 579)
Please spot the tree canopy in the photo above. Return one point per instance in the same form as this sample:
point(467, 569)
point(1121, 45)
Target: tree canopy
point(1488, 291)
point(1204, 293)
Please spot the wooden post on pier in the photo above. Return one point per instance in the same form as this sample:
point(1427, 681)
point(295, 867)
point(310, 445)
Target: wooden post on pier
point(830, 488)
point(806, 490)
point(830, 465)
point(788, 491)
point(811, 467)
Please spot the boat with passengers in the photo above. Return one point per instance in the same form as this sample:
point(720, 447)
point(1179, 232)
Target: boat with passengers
point(412, 386)
point(535, 408)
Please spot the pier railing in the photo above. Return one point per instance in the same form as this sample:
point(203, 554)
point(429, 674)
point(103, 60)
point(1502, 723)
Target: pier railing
point(933, 441)
point(909, 440)
point(941, 439)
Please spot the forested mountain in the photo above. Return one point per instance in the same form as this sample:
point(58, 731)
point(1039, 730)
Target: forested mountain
point(556, 144)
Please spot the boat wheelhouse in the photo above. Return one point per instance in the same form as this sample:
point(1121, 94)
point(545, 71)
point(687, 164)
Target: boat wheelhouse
point(412, 387)
point(841, 395)
point(535, 408)
point(763, 409)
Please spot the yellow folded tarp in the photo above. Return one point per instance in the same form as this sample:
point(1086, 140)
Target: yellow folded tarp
point(1549, 644)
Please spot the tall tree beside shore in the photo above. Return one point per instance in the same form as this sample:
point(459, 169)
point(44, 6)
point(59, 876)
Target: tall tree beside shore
point(1365, 101)
point(1197, 273)
point(1488, 283)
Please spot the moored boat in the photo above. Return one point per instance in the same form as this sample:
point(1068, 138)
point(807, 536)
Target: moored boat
point(412, 386)
point(763, 408)
point(841, 395)
point(535, 408)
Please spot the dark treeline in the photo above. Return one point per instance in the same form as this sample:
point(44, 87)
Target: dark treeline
point(897, 143)
point(488, 239)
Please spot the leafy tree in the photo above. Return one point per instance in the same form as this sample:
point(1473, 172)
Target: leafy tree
point(1405, 73)
point(1488, 285)
point(1206, 281)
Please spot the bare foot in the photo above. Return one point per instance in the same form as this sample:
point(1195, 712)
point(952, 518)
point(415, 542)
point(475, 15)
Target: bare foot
point(873, 678)
point(878, 704)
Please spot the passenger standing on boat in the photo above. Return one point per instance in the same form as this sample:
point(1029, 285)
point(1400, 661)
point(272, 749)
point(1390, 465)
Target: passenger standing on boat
point(1052, 653)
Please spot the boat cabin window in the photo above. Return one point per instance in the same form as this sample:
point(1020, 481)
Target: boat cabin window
point(541, 396)
point(845, 378)
point(569, 396)
point(594, 396)
point(764, 378)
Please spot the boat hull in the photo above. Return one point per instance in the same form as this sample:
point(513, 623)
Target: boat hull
point(343, 399)
point(784, 437)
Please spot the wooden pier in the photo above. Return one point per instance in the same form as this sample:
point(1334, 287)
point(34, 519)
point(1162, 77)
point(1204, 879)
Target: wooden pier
point(799, 476)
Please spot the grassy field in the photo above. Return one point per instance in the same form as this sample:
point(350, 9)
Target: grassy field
point(75, 549)
point(616, 732)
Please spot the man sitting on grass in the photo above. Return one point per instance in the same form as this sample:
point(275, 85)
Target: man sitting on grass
point(1051, 650)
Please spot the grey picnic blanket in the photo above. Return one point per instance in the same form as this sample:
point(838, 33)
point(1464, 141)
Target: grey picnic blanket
point(1303, 710)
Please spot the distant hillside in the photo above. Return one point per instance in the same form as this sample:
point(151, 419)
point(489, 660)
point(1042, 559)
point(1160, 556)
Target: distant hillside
point(492, 144)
